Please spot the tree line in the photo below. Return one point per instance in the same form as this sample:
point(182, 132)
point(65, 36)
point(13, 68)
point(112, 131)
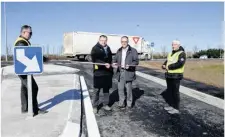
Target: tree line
point(210, 53)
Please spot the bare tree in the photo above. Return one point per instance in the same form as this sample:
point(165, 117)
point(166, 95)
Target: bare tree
point(53, 50)
point(9, 50)
point(62, 50)
point(43, 48)
point(163, 48)
point(47, 49)
point(195, 49)
point(185, 50)
point(220, 49)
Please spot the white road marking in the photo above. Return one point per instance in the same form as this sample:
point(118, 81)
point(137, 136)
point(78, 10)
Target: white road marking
point(71, 129)
point(92, 126)
point(217, 102)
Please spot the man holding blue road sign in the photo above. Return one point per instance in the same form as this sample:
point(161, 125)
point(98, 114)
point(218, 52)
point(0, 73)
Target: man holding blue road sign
point(24, 66)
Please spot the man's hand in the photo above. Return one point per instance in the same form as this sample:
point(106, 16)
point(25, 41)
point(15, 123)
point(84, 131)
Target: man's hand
point(127, 66)
point(164, 66)
point(107, 65)
point(114, 65)
point(167, 68)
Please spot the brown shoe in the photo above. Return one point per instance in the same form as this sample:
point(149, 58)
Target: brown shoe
point(121, 107)
point(107, 108)
point(95, 110)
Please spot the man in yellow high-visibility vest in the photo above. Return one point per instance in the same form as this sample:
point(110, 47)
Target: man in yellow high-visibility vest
point(23, 40)
point(174, 66)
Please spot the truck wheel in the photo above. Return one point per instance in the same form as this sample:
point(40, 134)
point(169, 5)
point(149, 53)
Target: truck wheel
point(88, 58)
point(78, 57)
point(146, 57)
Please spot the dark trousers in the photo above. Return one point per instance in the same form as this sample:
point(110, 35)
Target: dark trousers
point(24, 94)
point(172, 94)
point(105, 96)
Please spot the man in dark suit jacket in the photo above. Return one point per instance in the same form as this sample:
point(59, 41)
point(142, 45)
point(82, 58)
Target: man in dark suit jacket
point(101, 53)
point(23, 40)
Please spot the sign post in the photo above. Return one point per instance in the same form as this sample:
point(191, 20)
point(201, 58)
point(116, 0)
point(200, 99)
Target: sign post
point(30, 100)
point(28, 60)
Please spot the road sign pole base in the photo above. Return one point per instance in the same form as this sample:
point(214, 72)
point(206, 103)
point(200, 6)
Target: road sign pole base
point(30, 100)
point(29, 117)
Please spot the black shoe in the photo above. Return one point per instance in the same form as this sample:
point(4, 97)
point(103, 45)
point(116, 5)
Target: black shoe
point(42, 111)
point(35, 114)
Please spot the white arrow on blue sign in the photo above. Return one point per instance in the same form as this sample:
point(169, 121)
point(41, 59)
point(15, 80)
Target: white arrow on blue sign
point(28, 60)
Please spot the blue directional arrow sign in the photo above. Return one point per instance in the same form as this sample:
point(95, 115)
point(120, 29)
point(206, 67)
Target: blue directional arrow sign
point(28, 60)
point(152, 44)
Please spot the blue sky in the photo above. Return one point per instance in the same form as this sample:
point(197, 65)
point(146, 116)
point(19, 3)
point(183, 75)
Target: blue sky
point(192, 23)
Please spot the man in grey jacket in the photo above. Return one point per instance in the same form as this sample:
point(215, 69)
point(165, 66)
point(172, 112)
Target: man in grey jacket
point(125, 61)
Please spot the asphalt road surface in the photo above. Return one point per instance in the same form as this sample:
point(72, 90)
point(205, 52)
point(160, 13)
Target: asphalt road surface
point(148, 118)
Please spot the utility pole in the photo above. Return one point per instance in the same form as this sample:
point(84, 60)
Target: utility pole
point(6, 48)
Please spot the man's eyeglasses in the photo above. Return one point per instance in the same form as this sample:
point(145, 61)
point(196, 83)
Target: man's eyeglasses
point(124, 41)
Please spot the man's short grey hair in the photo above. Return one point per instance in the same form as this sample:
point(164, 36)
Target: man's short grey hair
point(25, 27)
point(176, 42)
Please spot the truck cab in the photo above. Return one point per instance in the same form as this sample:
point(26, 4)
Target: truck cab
point(146, 51)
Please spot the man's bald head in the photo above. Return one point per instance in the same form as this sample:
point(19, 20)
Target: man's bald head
point(175, 45)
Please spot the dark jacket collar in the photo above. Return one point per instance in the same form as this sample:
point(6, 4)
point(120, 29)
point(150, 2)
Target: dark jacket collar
point(100, 46)
point(180, 49)
point(23, 38)
point(129, 48)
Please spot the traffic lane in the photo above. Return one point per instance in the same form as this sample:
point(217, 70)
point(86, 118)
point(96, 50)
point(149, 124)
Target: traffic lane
point(148, 118)
point(208, 89)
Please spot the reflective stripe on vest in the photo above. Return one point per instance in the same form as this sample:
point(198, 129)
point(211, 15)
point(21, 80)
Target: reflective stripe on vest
point(173, 59)
point(96, 66)
point(21, 39)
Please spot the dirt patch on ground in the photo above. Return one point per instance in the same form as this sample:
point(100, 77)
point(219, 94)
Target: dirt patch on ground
point(210, 72)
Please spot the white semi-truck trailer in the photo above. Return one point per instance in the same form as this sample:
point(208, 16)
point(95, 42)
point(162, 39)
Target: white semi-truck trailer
point(79, 44)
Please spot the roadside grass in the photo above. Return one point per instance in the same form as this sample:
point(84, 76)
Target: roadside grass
point(210, 72)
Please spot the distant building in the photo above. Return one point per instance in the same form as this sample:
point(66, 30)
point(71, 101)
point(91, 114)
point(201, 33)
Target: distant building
point(203, 57)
